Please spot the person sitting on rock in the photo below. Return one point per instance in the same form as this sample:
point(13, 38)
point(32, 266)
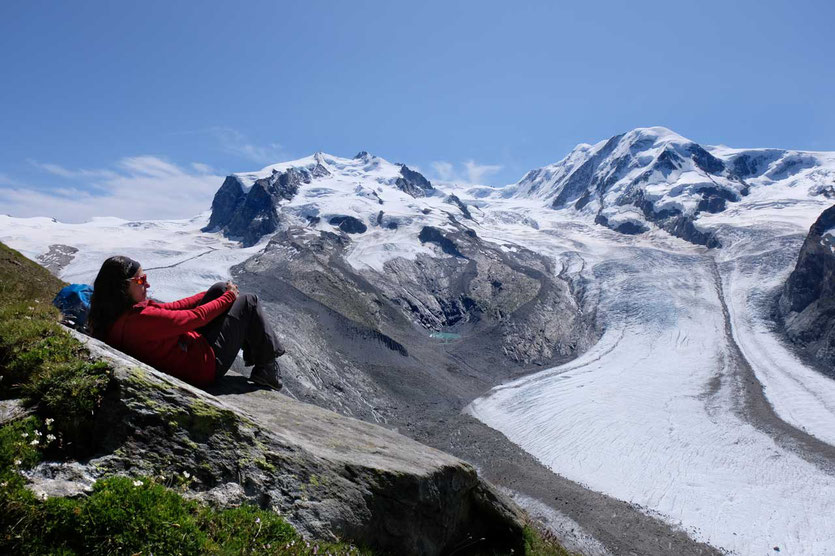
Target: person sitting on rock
point(195, 339)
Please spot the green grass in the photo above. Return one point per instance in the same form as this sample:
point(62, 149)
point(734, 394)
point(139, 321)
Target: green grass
point(18, 449)
point(39, 362)
point(125, 515)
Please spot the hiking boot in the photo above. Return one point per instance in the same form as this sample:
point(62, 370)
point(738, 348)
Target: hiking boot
point(267, 375)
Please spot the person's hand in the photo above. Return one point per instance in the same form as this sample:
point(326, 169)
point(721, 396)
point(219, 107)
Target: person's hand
point(230, 287)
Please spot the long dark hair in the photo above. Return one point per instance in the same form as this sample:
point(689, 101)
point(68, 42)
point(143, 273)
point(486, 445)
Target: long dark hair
point(110, 294)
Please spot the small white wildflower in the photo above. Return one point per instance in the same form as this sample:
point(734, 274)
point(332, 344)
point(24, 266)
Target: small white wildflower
point(17, 462)
point(31, 308)
point(27, 317)
point(4, 484)
point(37, 301)
point(49, 421)
point(25, 435)
point(37, 433)
point(257, 520)
point(35, 442)
point(137, 483)
point(50, 437)
point(186, 474)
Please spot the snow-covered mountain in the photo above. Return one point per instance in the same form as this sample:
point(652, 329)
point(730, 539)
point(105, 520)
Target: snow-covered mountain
point(404, 301)
point(648, 178)
point(653, 177)
point(246, 206)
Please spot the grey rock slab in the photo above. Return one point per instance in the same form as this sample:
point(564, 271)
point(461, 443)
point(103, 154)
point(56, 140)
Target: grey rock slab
point(58, 257)
point(60, 479)
point(342, 439)
point(11, 410)
point(331, 476)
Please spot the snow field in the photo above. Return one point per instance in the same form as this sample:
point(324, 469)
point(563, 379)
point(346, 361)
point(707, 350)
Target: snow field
point(195, 260)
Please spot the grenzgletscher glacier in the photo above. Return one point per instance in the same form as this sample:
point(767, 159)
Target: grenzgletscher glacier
point(648, 318)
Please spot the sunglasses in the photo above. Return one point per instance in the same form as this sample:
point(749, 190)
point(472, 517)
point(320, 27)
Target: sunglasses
point(140, 280)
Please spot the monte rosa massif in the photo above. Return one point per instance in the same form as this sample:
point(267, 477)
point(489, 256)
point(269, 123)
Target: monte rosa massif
point(635, 342)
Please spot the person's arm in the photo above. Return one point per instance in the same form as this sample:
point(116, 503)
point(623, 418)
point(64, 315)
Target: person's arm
point(158, 323)
point(185, 303)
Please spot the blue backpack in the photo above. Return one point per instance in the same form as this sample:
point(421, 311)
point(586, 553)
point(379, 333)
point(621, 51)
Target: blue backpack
point(74, 303)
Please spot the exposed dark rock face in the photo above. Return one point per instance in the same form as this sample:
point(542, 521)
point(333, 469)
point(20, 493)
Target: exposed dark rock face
point(413, 183)
point(585, 179)
point(330, 476)
point(806, 306)
point(683, 227)
point(628, 228)
point(389, 222)
point(714, 200)
point(454, 200)
point(57, 257)
point(673, 221)
point(430, 234)
point(791, 165)
point(704, 160)
point(349, 224)
point(226, 201)
point(248, 216)
point(254, 218)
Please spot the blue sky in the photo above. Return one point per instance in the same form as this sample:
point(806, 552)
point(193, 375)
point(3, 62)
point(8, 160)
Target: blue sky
point(139, 109)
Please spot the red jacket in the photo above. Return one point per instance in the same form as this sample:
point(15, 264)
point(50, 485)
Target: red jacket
point(163, 335)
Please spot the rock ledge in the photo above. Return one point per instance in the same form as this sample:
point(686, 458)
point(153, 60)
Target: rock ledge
point(329, 475)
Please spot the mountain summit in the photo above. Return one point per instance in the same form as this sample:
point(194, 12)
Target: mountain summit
point(655, 177)
point(245, 206)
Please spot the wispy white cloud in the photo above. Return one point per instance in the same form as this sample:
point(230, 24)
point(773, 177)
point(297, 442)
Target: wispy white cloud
point(235, 142)
point(59, 170)
point(470, 173)
point(444, 170)
point(136, 188)
point(477, 172)
point(202, 168)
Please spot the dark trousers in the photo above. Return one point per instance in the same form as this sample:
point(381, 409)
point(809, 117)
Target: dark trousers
point(242, 326)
